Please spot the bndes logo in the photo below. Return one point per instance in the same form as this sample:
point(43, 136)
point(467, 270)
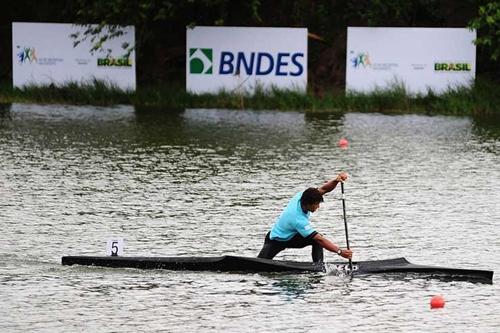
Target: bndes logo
point(200, 61)
point(249, 63)
point(261, 63)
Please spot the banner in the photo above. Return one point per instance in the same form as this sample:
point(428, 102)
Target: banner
point(237, 59)
point(421, 59)
point(44, 53)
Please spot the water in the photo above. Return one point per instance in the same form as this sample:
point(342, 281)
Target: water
point(211, 182)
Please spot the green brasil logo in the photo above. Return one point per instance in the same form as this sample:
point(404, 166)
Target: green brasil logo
point(200, 61)
point(452, 67)
point(114, 62)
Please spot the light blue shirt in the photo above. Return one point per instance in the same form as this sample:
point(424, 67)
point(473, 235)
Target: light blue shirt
point(292, 220)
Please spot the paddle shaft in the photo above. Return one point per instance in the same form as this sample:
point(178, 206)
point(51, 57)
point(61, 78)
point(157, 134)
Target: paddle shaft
point(345, 222)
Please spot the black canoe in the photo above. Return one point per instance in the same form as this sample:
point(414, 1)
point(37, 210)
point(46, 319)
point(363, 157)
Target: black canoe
point(252, 265)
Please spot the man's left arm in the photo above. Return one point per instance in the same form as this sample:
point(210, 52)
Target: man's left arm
point(331, 184)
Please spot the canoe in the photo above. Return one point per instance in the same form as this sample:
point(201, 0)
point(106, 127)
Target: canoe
point(254, 265)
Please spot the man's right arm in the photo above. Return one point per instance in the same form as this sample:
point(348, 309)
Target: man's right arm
point(330, 246)
point(331, 184)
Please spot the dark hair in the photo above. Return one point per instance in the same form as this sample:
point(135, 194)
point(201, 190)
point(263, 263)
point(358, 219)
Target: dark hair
point(311, 196)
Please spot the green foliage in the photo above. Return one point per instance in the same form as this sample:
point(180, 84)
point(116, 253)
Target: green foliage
point(94, 92)
point(482, 98)
point(151, 18)
point(394, 12)
point(488, 25)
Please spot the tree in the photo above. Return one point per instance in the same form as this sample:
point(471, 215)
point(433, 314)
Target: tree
point(487, 23)
point(153, 18)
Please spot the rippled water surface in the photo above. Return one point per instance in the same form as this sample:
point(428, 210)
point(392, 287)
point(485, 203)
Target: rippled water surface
point(211, 182)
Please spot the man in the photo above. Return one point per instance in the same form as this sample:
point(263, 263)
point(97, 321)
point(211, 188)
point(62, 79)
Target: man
point(293, 229)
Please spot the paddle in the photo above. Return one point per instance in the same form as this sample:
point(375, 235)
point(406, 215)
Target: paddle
point(345, 223)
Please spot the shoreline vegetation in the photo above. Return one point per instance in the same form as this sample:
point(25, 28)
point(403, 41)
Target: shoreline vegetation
point(482, 98)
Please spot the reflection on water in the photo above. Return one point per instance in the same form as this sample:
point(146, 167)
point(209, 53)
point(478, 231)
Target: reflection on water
point(295, 286)
point(5, 110)
point(487, 127)
point(211, 182)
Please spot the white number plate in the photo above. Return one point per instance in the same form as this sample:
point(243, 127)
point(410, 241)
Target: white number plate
point(114, 247)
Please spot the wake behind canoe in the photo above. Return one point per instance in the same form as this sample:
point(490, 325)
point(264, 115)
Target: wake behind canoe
point(255, 265)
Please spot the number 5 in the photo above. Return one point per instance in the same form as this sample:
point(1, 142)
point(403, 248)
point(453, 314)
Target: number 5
point(114, 248)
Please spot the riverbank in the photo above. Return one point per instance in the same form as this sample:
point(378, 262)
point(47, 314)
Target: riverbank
point(482, 98)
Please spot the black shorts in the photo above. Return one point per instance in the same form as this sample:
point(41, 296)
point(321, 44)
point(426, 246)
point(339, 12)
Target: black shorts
point(272, 247)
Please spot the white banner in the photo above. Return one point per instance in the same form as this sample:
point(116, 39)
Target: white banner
point(237, 59)
point(43, 53)
point(419, 58)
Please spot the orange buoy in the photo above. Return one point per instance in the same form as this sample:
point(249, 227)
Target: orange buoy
point(437, 302)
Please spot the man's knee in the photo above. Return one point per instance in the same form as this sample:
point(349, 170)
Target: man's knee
point(263, 253)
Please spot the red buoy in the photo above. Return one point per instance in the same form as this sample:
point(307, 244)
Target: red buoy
point(343, 143)
point(437, 302)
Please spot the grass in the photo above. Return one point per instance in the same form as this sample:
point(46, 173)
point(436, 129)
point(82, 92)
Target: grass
point(482, 98)
point(94, 93)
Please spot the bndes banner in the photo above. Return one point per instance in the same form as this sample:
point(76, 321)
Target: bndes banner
point(43, 53)
point(237, 59)
point(419, 58)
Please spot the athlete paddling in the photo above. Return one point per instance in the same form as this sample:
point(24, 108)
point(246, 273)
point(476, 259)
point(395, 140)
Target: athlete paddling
point(293, 229)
